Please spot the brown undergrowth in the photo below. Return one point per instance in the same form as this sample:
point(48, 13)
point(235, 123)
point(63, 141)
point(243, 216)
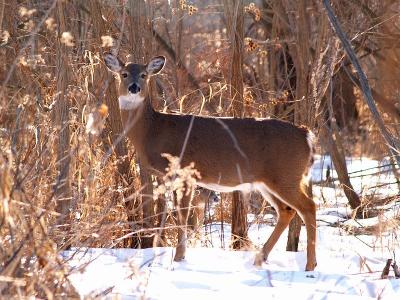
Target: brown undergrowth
point(89, 193)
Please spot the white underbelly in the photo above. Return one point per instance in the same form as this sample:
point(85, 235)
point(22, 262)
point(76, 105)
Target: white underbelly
point(244, 187)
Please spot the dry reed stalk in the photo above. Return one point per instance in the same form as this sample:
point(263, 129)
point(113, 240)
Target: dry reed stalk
point(62, 186)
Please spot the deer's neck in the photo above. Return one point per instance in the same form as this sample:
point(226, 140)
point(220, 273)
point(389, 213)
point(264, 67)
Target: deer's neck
point(136, 114)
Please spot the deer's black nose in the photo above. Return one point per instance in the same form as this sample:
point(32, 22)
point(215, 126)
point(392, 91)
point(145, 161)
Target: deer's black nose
point(134, 88)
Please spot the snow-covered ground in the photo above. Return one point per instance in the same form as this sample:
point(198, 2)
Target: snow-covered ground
point(349, 266)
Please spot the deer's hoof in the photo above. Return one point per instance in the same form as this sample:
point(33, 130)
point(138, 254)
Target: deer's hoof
point(179, 258)
point(311, 266)
point(179, 255)
point(260, 258)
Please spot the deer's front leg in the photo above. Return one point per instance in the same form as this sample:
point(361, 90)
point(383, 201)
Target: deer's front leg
point(182, 208)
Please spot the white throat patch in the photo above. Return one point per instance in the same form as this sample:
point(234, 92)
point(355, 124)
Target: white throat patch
point(130, 101)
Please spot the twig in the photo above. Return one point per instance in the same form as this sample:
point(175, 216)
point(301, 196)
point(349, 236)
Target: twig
point(186, 139)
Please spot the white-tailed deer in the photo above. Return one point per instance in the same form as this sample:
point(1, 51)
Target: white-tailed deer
point(270, 156)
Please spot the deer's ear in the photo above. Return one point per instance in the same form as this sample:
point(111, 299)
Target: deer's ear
point(155, 65)
point(113, 62)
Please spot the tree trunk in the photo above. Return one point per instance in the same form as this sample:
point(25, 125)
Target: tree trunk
point(294, 234)
point(239, 221)
point(295, 227)
point(339, 161)
point(234, 22)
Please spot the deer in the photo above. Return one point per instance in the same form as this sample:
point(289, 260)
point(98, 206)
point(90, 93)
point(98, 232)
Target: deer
point(269, 156)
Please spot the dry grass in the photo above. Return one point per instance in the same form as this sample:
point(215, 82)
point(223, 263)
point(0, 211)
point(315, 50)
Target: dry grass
point(52, 78)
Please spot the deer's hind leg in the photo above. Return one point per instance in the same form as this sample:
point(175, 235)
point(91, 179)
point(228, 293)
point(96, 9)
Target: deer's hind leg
point(298, 199)
point(306, 209)
point(285, 215)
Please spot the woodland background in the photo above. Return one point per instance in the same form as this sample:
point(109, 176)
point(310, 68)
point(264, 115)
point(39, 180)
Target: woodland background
point(61, 186)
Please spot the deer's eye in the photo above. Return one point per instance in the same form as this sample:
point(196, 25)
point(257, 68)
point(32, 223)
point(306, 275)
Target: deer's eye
point(143, 75)
point(124, 75)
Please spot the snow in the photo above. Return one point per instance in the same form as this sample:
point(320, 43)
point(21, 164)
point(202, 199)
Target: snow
point(211, 273)
point(349, 266)
point(365, 174)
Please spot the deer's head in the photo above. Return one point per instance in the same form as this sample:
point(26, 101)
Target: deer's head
point(133, 78)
